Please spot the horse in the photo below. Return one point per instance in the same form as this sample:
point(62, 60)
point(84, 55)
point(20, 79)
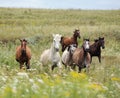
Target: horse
point(23, 54)
point(52, 54)
point(81, 56)
point(67, 55)
point(95, 48)
point(66, 41)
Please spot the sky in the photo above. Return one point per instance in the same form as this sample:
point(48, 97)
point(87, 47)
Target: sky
point(62, 4)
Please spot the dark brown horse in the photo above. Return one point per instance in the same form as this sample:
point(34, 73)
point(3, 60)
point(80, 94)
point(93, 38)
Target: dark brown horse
point(95, 48)
point(23, 54)
point(81, 56)
point(66, 41)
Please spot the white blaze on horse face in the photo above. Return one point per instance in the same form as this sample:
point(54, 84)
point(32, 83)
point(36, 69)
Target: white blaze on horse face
point(87, 45)
point(72, 48)
point(56, 42)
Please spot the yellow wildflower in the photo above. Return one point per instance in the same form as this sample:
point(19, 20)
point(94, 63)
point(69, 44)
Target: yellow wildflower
point(74, 74)
point(96, 86)
point(83, 75)
point(67, 94)
point(115, 79)
point(78, 75)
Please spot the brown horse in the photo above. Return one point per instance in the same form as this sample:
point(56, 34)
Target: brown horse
point(23, 54)
point(66, 41)
point(81, 56)
point(95, 48)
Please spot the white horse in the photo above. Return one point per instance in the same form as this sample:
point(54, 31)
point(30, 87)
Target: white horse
point(52, 55)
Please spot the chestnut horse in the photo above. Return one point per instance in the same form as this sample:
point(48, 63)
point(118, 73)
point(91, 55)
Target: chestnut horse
point(95, 48)
point(81, 56)
point(66, 41)
point(23, 54)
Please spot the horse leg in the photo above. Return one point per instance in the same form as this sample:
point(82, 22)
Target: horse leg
point(53, 66)
point(87, 68)
point(64, 65)
point(73, 66)
point(99, 57)
point(21, 65)
point(79, 69)
point(28, 64)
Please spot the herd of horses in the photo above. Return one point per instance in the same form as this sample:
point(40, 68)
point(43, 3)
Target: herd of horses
point(72, 54)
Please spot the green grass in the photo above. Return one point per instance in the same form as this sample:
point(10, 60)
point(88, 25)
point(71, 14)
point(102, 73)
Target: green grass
point(37, 26)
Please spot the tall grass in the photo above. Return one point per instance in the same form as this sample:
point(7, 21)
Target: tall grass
point(37, 26)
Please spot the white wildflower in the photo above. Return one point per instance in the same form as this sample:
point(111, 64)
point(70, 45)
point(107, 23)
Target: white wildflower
point(31, 80)
point(23, 74)
point(40, 81)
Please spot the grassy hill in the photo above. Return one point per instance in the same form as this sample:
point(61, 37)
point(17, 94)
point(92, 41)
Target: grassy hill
point(37, 26)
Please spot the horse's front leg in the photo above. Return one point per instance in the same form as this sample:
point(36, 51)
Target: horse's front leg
point(59, 65)
point(21, 65)
point(53, 66)
point(99, 58)
point(73, 66)
point(79, 69)
point(28, 64)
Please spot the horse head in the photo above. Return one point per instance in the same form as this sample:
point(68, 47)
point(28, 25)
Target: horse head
point(86, 45)
point(71, 48)
point(102, 42)
point(23, 46)
point(56, 41)
point(77, 33)
point(96, 40)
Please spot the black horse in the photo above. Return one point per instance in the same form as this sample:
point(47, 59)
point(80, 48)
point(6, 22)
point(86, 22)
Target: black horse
point(95, 48)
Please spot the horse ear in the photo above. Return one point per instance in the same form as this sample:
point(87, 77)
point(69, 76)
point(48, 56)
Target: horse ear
point(25, 40)
point(99, 38)
point(89, 38)
point(20, 40)
point(95, 40)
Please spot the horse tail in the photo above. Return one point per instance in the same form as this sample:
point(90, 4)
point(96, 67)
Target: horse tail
point(61, 41)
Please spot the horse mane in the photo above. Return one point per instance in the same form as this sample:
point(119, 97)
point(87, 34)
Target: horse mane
point(62, 37)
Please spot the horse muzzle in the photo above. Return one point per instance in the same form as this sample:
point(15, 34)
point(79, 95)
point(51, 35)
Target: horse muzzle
point(57, 49)
point(87, 50)
point(103, 47)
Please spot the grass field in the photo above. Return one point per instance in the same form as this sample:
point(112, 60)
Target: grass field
point(37, 26)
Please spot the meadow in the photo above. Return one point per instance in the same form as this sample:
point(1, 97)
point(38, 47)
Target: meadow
point(37, 26)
